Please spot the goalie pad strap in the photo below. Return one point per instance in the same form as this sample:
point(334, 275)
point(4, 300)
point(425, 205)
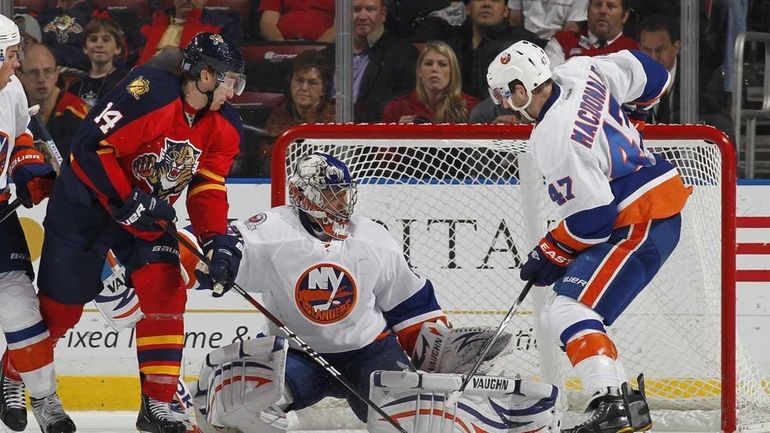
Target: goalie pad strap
point(493, 404)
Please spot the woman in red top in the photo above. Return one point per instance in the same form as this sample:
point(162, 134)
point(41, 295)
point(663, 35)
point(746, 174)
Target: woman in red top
point(311, 20)
point(438, 97)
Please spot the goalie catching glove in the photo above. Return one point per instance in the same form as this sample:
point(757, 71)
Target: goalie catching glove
point(440, 349)
point(224, 253)
point(547, 262)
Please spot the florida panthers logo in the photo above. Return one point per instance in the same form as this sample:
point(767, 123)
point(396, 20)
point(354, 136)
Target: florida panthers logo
point(169, 172)
point(62, 26)
point(326, 293)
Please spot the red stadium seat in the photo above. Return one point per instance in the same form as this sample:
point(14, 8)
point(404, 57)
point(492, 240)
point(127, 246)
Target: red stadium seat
point(140, 7)
point(34, 7)
point(268, 65)
point(258, 99)
point(240, 7)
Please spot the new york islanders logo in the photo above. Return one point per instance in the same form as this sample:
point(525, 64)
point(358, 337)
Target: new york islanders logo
point(326, 293)
point(169, 171)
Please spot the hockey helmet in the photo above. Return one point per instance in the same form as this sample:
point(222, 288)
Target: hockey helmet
point(213, 51)
point(321, 187)
point(9, 36)
point(522, 61)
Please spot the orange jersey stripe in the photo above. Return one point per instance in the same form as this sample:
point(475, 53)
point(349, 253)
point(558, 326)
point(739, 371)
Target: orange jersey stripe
point(662, 201)
point(593, 344)
point(562, 235)
point(612, 263)
point(32, 357)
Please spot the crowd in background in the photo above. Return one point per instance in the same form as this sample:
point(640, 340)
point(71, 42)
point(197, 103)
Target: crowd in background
point(414, 61)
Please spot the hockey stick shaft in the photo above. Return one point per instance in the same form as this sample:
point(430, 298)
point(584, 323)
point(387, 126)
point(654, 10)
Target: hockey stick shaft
point(12, 206)
point(500, 328)
point(289, 333)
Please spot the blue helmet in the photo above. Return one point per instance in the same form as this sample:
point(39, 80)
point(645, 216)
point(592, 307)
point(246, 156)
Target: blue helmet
point(321, 187)
point(211, 50)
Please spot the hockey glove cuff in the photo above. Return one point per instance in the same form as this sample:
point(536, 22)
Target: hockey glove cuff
point(547, 262)
point(141, 213)
point(224, 253)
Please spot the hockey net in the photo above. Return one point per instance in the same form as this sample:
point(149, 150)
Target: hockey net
point(467, 203)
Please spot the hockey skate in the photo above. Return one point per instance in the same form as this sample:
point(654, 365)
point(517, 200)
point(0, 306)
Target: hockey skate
point(608, 414)
point(50, 414)
point(637, 406)
point(156, 417)
point(13, 406)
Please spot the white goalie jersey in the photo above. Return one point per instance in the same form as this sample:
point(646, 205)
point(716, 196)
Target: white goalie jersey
point(339, 295)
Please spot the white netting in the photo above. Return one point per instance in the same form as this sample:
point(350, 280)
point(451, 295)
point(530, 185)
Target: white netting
point(468, 211)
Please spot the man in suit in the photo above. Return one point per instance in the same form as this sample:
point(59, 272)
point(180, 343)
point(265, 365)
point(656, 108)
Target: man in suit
point(659, 38)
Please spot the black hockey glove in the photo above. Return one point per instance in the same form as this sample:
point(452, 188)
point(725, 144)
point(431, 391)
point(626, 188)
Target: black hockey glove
point(142, 211)
point(224, 253)
point(547, 262)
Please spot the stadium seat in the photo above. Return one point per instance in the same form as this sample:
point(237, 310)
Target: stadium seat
point(140, 7)
point(34, 7)
point(268, 65)
point(255, 107)
point(238, 9)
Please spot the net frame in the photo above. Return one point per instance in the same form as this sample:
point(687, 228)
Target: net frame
point(728, 417)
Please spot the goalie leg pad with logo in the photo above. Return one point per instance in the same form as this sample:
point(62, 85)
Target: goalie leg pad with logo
point(492, 404)
point(440, 349)
point(117, 302)
point(242, 386)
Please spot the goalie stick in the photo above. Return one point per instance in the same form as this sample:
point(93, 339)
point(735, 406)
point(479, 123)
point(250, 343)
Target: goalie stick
point(452, 400)
point(289, 333)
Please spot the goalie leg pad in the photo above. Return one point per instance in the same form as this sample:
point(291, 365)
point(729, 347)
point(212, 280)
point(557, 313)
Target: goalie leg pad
point(440, 349)
point(242, 386)
point(494, 404)
point(117, 302)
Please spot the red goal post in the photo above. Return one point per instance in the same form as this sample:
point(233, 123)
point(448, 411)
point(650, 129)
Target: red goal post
point(385, 155)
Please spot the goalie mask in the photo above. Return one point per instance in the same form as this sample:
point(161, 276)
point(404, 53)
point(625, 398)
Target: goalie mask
point(321, 187)
point(522, 61)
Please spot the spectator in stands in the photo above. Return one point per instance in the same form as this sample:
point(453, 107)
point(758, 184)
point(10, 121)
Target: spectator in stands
point(175, 27)
point(659, 38)
point(383, 64)
point(308, 102)
point(311, 20)
point(29, 28)
point(604, 34)
point(425, 20)
point(62, 29)
point(38, 75)
point(484, 35)
point(438, 97)
point(489, 112)
point(546, 18)
point(104, 41)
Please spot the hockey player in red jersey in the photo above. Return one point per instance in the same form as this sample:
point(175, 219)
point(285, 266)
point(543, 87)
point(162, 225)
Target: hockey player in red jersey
point(29, 348)
point(155, 134)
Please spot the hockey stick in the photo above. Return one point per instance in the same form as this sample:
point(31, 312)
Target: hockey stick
point(289, 333)
point(455, 396)
point(10, 209)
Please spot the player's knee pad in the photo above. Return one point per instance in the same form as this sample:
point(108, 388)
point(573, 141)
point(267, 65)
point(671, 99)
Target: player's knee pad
point(564, 318)
point(59, 317)
point(440, 349)
point(160, 288)
point(19, 300)
point(494, 404)
point(242, 386)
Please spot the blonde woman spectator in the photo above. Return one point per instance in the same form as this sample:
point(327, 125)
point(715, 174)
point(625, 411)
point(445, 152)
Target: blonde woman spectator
point(438, 97)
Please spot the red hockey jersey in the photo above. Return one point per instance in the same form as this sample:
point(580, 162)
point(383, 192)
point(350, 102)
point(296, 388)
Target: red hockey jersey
point(139, 135)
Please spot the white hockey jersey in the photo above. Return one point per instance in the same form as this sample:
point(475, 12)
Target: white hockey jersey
point(337, 296)
point(14, 119)
point(596, 167)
